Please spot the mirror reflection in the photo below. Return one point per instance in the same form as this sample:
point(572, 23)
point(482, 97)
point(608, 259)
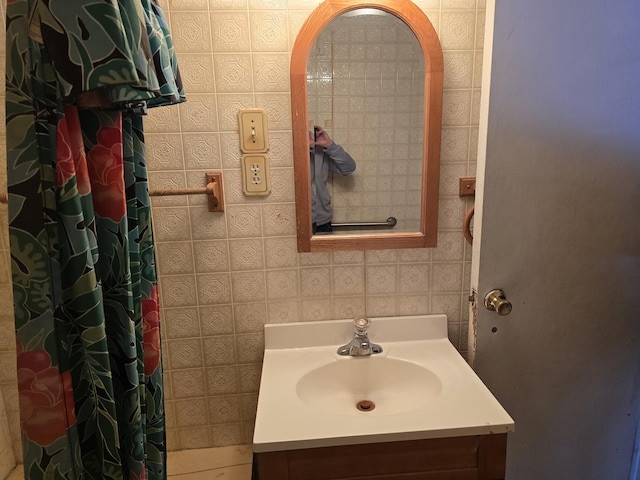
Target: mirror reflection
point(365, 96)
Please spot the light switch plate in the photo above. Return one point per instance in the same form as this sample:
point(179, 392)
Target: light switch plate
point(256, 177)
point(254, 130)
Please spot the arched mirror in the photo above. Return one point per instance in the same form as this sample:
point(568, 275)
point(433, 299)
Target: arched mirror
point(366, 87)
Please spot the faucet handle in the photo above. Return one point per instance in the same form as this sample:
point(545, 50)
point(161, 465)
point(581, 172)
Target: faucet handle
point(361, 325)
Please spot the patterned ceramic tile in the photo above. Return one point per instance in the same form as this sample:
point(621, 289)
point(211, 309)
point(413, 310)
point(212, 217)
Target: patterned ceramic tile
point(226, 434)
point(281, 149)
point(456, 107)
point(196, 70)
point(211, 256)
point(244, 221)
point(193, 437)
point(201, 151)
point(191, 32)
point(278, 108)
point(313, 310)
point(216, 320)
point(178, 291)
point(455, 144)
point(450, 174)
point(250, 347)
point(179, 5)
point(413, 304)
point(315, 282)
point(228, 106)
point(222, 380)
point(458, 69)
point(230, 31)
point(348, 280)
point(164, 151)
point(282, 284)
point(228, 4)
point(381, 305)
point(268, 31)
point(250, 317)
point(381, 279)
point(248, 286)
point(246, 254)
point(279, 219)
point(171, 224)
point(249, 377)
point(447, 277)
point(207, 225)
point(167, 181)
point(180, 322)
point(214, 288)
point(190, 413)
point(451, 213)
point(188, 383)
point(450, 247)
point(283, 312)
point(280, 252)
point(162, 120)
point(224, 409)
point(348, 307)
point(219, 350)
point(457, 30)
point(199, 114)
point(184, 353)
point(271, 72)
point(233, 72)
point(414, 278)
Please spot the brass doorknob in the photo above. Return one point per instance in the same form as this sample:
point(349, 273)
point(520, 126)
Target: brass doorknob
point(497, 301)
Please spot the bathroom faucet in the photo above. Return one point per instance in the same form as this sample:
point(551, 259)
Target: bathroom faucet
point(360, 345)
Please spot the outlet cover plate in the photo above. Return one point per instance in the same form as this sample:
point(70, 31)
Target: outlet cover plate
point(256, 176)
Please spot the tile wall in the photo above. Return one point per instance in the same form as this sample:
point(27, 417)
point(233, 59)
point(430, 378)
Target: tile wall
point(224, 275)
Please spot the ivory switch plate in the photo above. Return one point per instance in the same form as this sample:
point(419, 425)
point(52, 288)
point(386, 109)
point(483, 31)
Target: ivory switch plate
point(254, 135)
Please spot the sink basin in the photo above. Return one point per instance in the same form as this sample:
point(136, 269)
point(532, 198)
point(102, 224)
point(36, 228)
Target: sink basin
point(419, 387)
point(389, 386)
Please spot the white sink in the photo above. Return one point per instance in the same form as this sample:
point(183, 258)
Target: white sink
point(419, 387)
point(387, 385)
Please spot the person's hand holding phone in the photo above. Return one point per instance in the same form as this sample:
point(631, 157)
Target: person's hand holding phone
point(321, 137)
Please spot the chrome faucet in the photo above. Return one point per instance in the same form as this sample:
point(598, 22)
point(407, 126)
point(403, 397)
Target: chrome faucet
point(360, 345)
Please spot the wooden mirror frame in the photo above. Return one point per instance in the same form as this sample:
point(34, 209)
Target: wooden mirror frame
point(418, 22)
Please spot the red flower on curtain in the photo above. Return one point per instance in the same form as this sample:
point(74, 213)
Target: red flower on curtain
point(106, 172)
point(151, 329)
point(46, 397)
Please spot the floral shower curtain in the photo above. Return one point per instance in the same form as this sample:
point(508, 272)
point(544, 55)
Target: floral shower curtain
point(80, 75)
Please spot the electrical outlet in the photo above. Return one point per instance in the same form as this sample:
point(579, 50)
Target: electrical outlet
point(255, 174)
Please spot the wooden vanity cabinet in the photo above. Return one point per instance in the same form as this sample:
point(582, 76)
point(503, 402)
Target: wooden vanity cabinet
point(456, 458)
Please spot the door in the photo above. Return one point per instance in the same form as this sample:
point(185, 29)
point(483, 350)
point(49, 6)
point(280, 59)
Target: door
point(558, 229)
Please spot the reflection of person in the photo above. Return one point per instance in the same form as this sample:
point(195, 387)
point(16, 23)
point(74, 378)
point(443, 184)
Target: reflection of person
point(326, 156)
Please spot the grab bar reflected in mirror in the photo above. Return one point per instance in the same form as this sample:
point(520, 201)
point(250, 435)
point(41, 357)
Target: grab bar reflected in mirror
point(388, 223)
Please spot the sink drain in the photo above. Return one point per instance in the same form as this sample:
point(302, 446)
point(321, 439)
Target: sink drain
point(365, 405)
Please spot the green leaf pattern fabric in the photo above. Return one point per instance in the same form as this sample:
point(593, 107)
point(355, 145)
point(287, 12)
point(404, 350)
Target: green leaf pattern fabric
point(79, 77)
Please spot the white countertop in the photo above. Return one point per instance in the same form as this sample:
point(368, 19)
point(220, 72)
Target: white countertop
point(461, 405)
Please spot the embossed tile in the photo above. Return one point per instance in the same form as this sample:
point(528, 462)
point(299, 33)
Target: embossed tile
point(450, 247)
point(280, 252)
point(228, 4)
point(171, 224)
point(244, 221)
point(224, 409)
point(178, 290)
point(216, 320)
point(268, 31)
point(414, 278)
point(282, 284)
point(187, 383)
point(164, 151)
point(174, 258)
point(348, 307)
point(219, 350)
point(248, 286)
point(281, 149)
point(191, 32)
point(190, 413)
point(315, 281)
point(278, 108)
point(180, 322)
point(250, 347)
point(214, 288)
point(282, 185)
point(246, 254)
point(450, 174)
point(207, 225)
point(449, 304)
point(196, 70)
point(249, 377)
point(193, 437)
point(184, 353)
point(456, 108)
point(413, 304)
point(451, 213)
point(230, 31)
point(201, 151)
point(279, 219)
point(162, 120)
point(228, 106)
point(316, 309)
point(230, 148)
point(447, 277)
point(382, 305)
point(348, 280)
point(283, 311)
point(457, 30)
point(250, 317)
point(458, 69)
point(199, 114)
point(222, 380)
point(211, 256)
point(227, 434)
point(381, 279)
point(167, 181)
point(271, 72)
point(233, 72)
point(455, 144)
point(315, 258)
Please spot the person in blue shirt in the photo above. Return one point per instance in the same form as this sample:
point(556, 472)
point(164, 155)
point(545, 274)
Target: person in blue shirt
point(325, 156)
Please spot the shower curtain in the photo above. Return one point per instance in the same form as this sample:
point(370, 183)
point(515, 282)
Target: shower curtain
point(80, 76)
